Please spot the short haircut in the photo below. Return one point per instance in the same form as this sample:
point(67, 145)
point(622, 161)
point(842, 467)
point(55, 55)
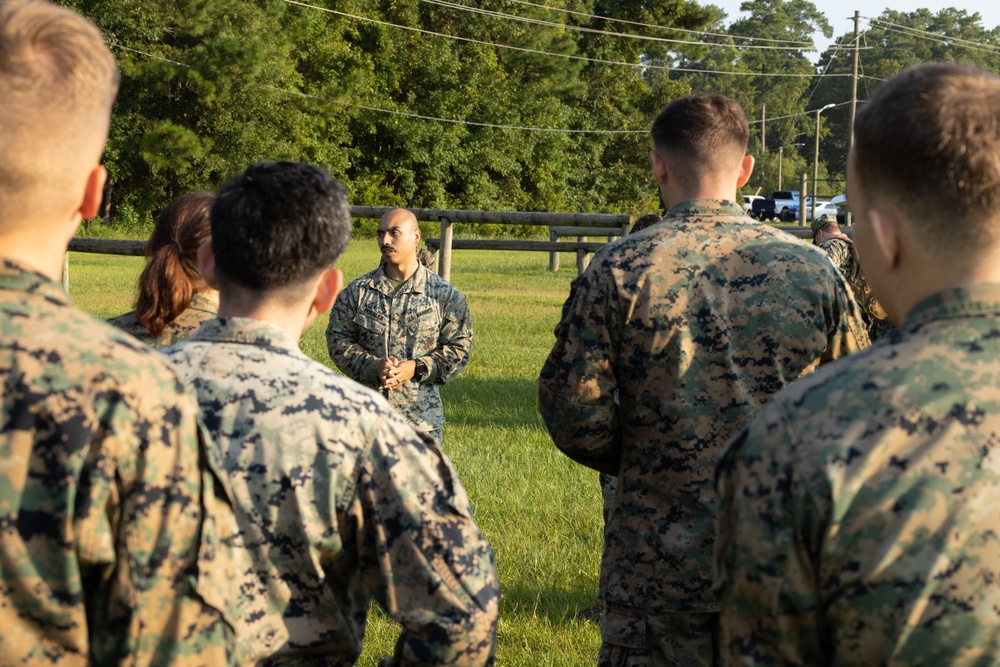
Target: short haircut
point(645, 221)
point(701, 133)
point(57, 84)
point(171, 277)
point(277, 225)
point(929, 141)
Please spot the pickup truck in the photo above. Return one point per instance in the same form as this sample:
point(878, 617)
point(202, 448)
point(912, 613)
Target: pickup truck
point(782, 204)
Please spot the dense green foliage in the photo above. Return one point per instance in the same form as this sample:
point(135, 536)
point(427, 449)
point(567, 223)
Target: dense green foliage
point(212, 85)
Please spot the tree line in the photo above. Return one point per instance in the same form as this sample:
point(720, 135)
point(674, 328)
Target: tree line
point(501, 105)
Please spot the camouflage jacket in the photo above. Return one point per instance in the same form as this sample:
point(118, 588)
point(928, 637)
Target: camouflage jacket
point(844, 255)
point(338, 500)
point(859, 519)
point(112, 503)
point(695, 321)
point(427, 319)
point(181, 328)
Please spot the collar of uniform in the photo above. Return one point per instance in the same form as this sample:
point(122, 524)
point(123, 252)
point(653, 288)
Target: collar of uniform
point(698, 207)
point(956, 302)
point(14, 276)
point(246, 331)
point(199, 302)
point(416, 283)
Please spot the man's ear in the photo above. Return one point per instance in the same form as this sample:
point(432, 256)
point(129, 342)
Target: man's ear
point(327, 288)
point(659, 167)
point(206, 264)
point(887, 231)
point(93, 192)
point(746, 169)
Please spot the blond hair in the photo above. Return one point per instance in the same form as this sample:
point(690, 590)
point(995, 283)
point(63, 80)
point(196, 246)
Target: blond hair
point(57, 84)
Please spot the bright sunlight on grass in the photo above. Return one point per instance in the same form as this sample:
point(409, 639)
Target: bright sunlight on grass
point(541, 512)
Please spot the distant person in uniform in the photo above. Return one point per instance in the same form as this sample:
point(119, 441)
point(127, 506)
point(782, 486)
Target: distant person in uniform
point(338, 499)
point(112, 508)
point(401, 328)
point(669, 342)
point(859, 522)
point(842, 251)
point(173, 298)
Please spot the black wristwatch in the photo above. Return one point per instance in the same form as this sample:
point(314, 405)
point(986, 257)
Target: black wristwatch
point(421, 370)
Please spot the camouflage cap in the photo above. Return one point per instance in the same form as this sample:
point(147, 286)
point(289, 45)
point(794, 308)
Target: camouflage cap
point(821, 222)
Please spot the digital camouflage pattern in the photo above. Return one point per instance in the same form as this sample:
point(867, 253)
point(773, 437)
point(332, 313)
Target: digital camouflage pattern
point(338, 500)
point(859, 519)
point(187, 323)
point(426, 319)
point(696, 321)
point(112, 503)
point(844, 256)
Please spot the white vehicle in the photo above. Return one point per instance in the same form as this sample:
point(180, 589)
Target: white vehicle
point(822, 208)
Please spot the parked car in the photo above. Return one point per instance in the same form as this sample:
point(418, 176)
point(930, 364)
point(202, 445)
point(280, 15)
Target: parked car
point(822, 208)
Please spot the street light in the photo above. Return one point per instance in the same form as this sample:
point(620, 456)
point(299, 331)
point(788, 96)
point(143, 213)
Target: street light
point(781, 153)
point(816, 158)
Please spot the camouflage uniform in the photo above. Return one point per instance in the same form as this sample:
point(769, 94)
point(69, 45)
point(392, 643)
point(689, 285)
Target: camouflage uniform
point(844, 256)
point(859, 519)
point(696, 321)
point(181, 328)
point(338, 499)
point(426, 319)
point(112, 503)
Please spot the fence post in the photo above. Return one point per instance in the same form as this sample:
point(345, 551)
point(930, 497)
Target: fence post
point(803, 194)
point(581, 256)
point(553, 256)
point(444, 266)
point(65, 275)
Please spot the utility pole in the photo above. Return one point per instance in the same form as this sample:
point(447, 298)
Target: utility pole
point(854, 79)
point(763, 128)
point(781, 154)
point(816, 161)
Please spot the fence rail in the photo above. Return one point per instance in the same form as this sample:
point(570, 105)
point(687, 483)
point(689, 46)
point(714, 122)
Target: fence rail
point(597, 224)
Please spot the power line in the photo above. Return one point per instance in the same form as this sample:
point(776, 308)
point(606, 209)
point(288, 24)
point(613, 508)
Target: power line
point(940, 38)
point(393, 112)
point(793, 115)
point(658, 27)
point(577, 28)
point(548, 53)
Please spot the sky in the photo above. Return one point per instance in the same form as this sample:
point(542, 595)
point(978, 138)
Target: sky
point(840, 15)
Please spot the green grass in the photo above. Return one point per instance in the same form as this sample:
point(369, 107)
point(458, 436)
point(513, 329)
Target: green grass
point(541, 512)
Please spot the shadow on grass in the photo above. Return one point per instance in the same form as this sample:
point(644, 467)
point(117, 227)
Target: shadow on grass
point(555, 605)
point(492, 403)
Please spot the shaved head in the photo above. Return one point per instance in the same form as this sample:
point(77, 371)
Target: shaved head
point(399, 216)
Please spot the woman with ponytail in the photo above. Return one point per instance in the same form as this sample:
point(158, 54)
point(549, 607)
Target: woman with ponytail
point(173, 298)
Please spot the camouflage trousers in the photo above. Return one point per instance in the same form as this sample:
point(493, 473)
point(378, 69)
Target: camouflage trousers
point(630, 638)
point(609, 484)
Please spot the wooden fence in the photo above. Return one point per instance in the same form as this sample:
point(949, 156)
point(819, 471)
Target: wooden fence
point(600, 224)
point(559, 224)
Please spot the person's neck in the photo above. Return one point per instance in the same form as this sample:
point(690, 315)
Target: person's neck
point(293, 319)
point(403, 270)
point(40, 248)
point(675, 195)
point(916, 283)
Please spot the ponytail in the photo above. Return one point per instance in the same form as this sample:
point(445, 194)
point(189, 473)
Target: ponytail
point(171, 277)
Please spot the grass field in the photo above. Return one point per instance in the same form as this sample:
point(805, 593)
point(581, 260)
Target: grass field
point(541, 512)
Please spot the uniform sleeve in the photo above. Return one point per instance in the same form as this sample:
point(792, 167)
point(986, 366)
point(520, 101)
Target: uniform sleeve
point(766, 553)
point(342, 336)
point(846, 329)
point(153, 532)
point(426, 561)
point(576, 388)
point(454, 342)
